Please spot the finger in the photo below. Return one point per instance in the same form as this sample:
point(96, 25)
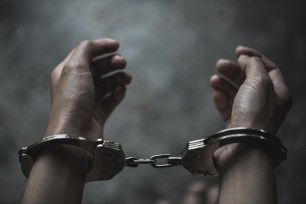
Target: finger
point(108, 45)
point(108, 104)
point(87, 50)
point(109, 83)
point(231, 72)
point(218, 83)
point(232, 83)
point(254, 68)
point(228, 68)
point(223, 104)
point(106, 65)
point(273, 70)
point(241, 50)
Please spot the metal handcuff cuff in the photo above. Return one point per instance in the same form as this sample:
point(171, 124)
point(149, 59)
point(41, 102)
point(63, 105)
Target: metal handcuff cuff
point(108, 158)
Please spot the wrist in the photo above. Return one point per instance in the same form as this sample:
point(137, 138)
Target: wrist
point(238, 155)
point(59, 171)
point(61, 129)
point(68, 157)
point(259, 124)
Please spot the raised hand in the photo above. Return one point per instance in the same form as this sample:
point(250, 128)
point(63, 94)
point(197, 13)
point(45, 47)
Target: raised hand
point(84, 93)
point(82, 96)
point(261, 102)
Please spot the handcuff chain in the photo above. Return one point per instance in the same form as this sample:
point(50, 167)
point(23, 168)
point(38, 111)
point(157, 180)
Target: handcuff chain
point(153, 161)
point(197, 157)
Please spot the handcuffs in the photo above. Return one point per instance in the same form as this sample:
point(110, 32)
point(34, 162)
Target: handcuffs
point(108, 158)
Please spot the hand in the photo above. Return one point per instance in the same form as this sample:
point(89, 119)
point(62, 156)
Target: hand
point(82, 99)
point(262, 100)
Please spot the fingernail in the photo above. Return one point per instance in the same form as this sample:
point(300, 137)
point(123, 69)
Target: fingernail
point(118, 56)
point(213, 78)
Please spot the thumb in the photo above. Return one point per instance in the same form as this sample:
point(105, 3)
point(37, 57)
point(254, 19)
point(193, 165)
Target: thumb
point(253, 68)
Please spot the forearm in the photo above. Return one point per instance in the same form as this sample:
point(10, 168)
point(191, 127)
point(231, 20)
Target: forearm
point(246, 177)
point(58, 176)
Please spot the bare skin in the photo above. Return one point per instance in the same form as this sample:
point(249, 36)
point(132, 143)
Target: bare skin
point(82, 101)
point(262, 102)
point(79, 105)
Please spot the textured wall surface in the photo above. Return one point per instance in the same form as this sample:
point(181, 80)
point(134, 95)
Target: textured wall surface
point(171, 48)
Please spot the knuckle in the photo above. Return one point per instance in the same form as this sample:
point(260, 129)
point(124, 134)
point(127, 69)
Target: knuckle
point(54, 73)
point(86, 44)
point(255, 59)
point(66, 70)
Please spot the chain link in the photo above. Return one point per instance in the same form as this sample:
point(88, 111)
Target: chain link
point(155, 161)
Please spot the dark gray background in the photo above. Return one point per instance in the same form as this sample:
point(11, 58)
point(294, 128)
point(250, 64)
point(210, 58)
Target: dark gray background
point(171, 48)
